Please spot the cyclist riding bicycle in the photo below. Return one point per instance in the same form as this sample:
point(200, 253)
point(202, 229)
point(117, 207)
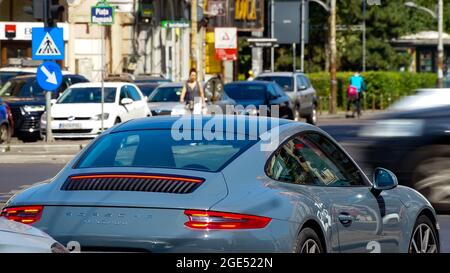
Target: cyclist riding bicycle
point(355, 93)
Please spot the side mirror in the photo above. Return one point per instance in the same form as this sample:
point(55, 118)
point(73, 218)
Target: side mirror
point(302, 87)
point(384, 179)
point(53, 101)
point(126, 101)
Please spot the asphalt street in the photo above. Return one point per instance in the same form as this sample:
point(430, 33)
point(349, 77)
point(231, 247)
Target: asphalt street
point(15, 177)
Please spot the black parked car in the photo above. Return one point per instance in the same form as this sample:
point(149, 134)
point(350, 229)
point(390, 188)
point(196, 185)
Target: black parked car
point(415, 145)
point(27, 101)
point(258, 93)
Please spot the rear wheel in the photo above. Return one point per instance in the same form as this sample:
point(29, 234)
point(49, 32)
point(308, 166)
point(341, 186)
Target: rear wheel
point(5, 134)
point(424, 239)
point(308, 242)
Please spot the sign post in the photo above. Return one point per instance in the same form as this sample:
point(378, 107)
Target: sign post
point(102, 14)
point(48, 44)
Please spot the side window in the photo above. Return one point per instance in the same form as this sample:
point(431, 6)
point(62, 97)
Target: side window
point(301, 82)
point(123, 93)
point(133, 93)
point(312, 159)
point(285, 166)
point(307, 81)
point(272, 91)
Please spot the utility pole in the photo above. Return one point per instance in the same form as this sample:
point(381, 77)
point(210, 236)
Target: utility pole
point(302, 45)
point(440, 43)
point(272, 34)
point(194, 34)
point(364, 36)
point(333, 56)
point(48, 94)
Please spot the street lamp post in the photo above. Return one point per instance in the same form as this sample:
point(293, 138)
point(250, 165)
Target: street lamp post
point(439, 15)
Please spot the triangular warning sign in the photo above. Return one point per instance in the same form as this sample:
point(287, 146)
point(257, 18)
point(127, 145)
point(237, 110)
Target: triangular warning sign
point(225, 37)
point(48, 47)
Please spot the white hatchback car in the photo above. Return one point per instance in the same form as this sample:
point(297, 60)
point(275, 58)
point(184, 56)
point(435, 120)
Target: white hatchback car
point(77, 112)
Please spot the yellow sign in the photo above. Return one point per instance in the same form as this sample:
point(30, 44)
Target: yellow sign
point(212, 65)
point(245, 10)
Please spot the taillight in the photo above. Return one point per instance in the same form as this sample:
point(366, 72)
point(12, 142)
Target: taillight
point(26, 214)
point(200, 219)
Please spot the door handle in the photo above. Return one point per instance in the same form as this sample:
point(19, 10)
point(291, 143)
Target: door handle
point(345, 219)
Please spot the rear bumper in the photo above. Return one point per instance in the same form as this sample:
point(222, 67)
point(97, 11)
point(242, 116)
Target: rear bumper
point(157, 230)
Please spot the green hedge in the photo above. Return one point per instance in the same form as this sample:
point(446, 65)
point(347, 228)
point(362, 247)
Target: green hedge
point(383, 87)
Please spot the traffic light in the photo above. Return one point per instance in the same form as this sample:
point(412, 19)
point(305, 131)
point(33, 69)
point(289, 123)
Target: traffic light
point(36, 9)
point(146, 10)
point(48, 11)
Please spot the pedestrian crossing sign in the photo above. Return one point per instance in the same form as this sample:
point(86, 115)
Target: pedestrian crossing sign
point(47, 43)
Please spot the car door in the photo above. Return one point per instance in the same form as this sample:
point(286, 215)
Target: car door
point(277, 98)
point(140, 105)
point(302, 89)
point(366, 221)
point(310, 91)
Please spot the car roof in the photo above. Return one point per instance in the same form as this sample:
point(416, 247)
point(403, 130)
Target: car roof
point(172, 84)
point(168, 122)
point(285, 74)
point(99, 84)
point(256, 82)
point(31, 70)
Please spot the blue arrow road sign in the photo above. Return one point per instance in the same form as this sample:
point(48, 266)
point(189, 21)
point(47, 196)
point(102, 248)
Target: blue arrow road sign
point(47, 43)
point(49, 76)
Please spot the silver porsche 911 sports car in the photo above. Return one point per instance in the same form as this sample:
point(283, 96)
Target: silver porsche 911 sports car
point(225, 184)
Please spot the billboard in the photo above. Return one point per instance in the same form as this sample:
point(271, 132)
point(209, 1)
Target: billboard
point(288, 21)
point(245, 15)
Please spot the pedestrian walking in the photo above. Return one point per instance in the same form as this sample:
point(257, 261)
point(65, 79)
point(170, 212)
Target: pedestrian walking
point(355, 93)
point(193, 94)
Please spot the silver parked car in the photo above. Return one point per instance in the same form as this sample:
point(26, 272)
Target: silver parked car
point(166, 98)
point(299, 89)
point(168, 184)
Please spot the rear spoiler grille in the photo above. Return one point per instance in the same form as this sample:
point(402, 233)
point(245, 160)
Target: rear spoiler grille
point(132, 182)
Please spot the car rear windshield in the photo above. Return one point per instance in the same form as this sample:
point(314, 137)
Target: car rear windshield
point(245, 91)
point(166, 94)
point(286, 82)
point(88, 95)
point(158, 149)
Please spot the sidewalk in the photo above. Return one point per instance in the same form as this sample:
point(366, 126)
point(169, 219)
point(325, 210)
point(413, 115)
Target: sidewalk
point(59, 152)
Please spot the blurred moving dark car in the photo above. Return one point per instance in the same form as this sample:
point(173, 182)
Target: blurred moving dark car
point(6, 122)
point(415, 145)
point(27, 101)
point(259, 93)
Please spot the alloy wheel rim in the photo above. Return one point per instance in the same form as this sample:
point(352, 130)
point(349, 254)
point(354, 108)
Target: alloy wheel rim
point(3, 133)
point(423, 240)
point(310, 246)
